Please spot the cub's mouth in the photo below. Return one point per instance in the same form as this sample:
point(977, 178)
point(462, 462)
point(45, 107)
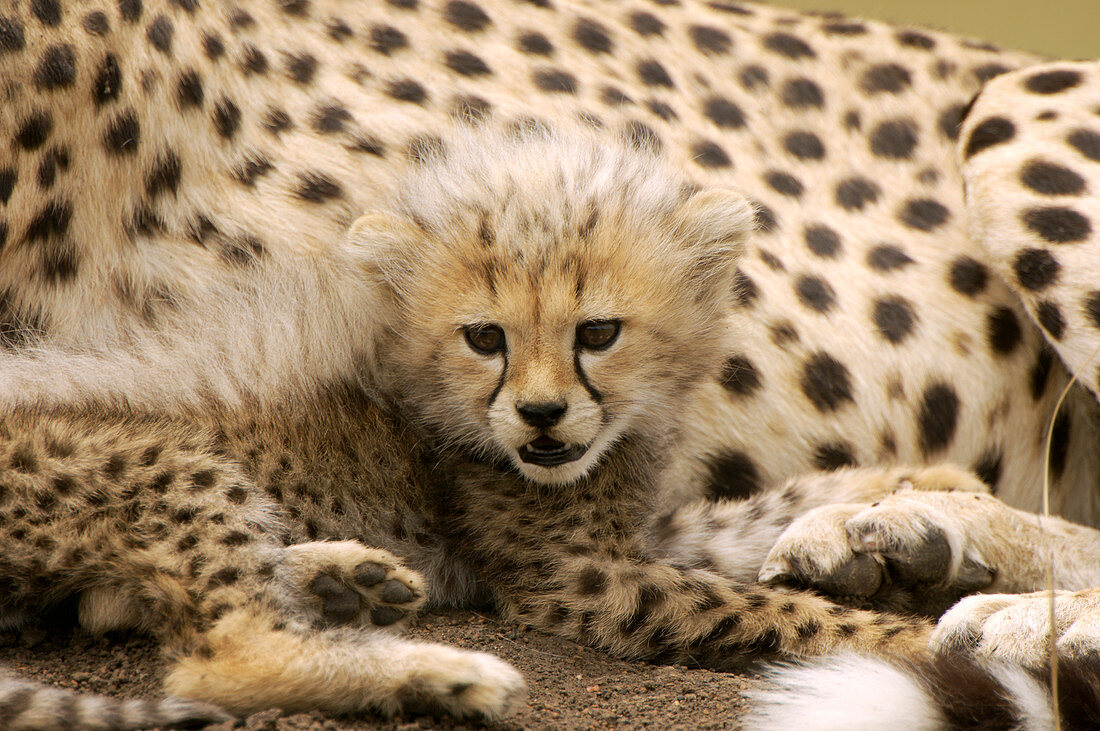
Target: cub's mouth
point(547, 452)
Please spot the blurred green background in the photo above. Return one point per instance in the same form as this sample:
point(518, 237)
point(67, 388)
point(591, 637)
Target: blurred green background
point(1062, 28)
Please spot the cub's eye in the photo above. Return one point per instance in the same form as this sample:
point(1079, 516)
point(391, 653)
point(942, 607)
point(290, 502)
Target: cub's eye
point(485, 339)
point(597, 334)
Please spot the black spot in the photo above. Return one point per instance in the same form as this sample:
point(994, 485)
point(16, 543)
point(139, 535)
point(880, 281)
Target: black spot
point(108, 81)
point(815, 293)
point(1050, 317)
point(470, 108)
point(894, 318)
point(591, 581)
point(407, 90)
point(744, 289)
point(763, 218)
point(252, 168)
point(855, 193)
point(301, 67)
point(555, 81)
point(57, 68)
point(465, 16)
point(535, 44)
point(1086, 142)
point(160, 33)
point(1004, 331)
point(646, 24)
point(852, 121)
point(894, 139)
point(1092, 308)
point(988, 468)
point(1036, 268)
point(740, 376)
point(1052, 82)
point(130, 10)
point(1040, 372)
point(709, 155)
point(985, 72)
point(753, 76)
point(923, 214)
point(96, 23)
point(653, 73)
point(297, 8)
point(913, 39)
point(164, 177)
point(317, 187)
point(386, 39)
point(592, 36)
point(733, 476)
point(47, 11)
point(8, 177)
point(787, 45)
point(51, 221)
point(888, 257)
point(990, 132)
point(123, 134)
point(823, 241)
point(213, 47)
point(12, 37)
point(784, 183)
point(465, 63)
point(277, 121)
point(826, 382)
point(833, 456)
point(253, 61)
point(844, 28)
point(404, 4)
point(331, 118)
point(661, 110)
point(968, 276)
point(723, 112)
point(771, 260)
point(802, 92)
point(709, 40)
point(951, 120)
point(887, 77)
point(804, 145)
point(1051, 179)
point(226, 118)
point(641, 137)
point(1059, 443)
point(938, 417)
point(1058, 225)
point(34, 131)
point(189, 92)
point(338, 30)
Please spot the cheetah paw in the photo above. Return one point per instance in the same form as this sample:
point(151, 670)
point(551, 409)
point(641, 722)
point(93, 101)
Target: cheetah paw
point(912, 551)
point(344, 582)
point(1016, 627)
point(461, 683)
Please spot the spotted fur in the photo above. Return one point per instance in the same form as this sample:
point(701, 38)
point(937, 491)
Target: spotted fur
point(177, 285)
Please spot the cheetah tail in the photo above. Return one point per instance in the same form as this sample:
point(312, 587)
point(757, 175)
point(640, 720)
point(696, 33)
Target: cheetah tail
point(26, 705)
point(945, 691)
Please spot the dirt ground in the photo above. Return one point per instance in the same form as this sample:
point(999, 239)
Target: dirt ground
point(570, 686)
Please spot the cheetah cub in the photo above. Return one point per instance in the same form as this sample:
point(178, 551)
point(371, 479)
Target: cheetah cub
point(540, 308)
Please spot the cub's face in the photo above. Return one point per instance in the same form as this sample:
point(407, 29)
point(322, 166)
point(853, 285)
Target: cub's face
point(543, 324)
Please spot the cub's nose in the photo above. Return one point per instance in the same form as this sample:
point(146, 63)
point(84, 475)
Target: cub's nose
point(542, 415)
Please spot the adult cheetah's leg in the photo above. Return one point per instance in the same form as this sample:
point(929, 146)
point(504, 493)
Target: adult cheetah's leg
point(1030, 155)
point(150, 513)
point(735, 537)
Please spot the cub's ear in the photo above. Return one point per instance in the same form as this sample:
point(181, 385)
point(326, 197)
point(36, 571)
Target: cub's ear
point(712, 225)
point(382, 243)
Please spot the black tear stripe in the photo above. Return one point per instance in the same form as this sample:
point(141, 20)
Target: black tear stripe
point(500, 383)
point(595, 394)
